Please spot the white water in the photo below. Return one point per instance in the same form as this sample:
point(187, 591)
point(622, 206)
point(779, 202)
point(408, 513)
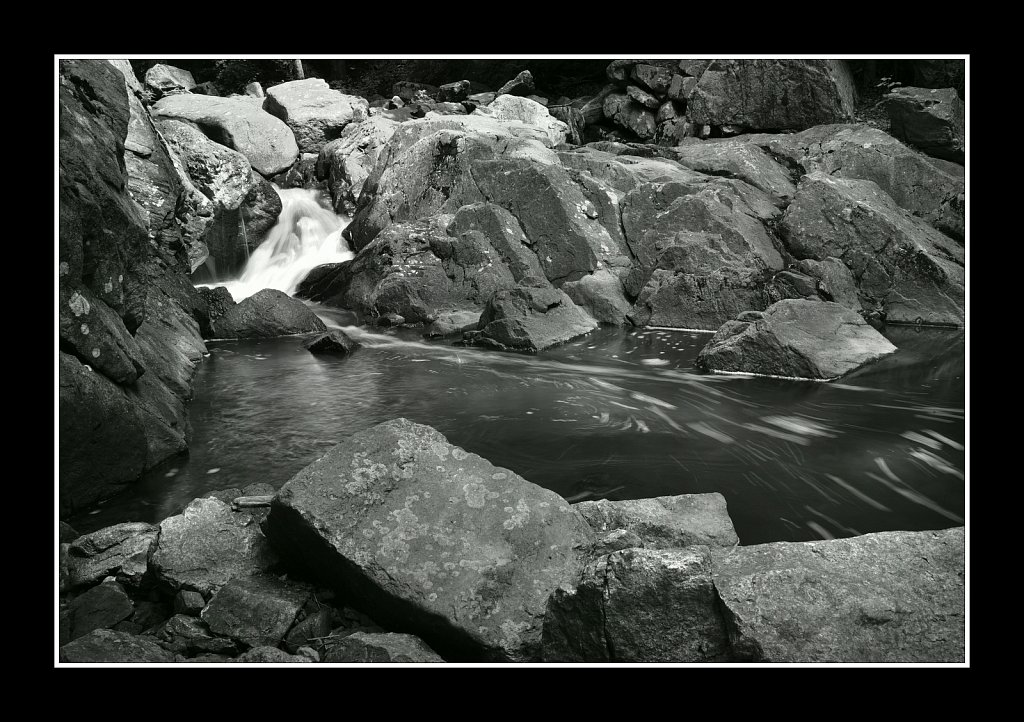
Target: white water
point(306, 235)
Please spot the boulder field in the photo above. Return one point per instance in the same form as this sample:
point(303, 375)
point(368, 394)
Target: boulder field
point(399, 547)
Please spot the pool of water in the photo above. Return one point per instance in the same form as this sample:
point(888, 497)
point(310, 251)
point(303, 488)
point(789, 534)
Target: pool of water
point(618, 414)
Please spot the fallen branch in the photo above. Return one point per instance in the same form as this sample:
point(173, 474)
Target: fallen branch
point(249, 502)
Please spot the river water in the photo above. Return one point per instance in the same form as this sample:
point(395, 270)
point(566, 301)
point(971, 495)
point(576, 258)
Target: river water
point(618, 414)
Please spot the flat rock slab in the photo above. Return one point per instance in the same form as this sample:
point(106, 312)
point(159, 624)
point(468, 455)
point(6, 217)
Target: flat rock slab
point(266, 314)
point(796, 338)
point(890, 597)
point(107, 646)
point(665, 522)
point(364, 648)
point(257, 611)
point(422, 534)
point(266, 141)
point(121, 550)
point(315, 113)
point(207, 545)
point(639, 605)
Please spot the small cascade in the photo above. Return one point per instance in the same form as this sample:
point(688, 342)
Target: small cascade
point(305, 236)
point(245, 237)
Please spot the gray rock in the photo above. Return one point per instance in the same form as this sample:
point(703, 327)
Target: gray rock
point(502, 231)
point(452, 323)
point(773, 94)
point(259, 211)
point(454, 92)
point(745, 161)
point(363, 648)
point(643, 97)
point(266, 314)
point(903, 267)
point(188, 602)
point(639, 605)
point(929, 119)
point(271, 655)
point(255, 90)
point(121, 550)
point(592, 107)
point(315, 113)
point(665, 522)
point(66, 533)
point(221, 174)
point(257, 611)
point(601, 295)
point(511, 108)
point(302, 174)
point(835, 279)
point(107, 646)
point(694, 67)
point(409, 91)
point(98, 336)
point(655, 78)
point(218, 301)
point(528, 318)
point(184, 634)
point(207, 545)
point(168, 80)
point(332, 342)
point(310, 630)
point(617, 540)
point(625, 112)
point(796, 339)
point(479, 99)
point(101, 607)
point(522, 84)
point(265, 140)
point(415, 529)
point(620, 70)
point(681, 87)
point(346, 162)
point(890, 597)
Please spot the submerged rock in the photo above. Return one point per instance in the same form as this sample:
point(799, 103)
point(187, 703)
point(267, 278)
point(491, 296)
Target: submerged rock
point(363, 648)
point(796, 338)
point(332, 342)
point(266, 314)
point(315, 113)
point(890, 597)
point(107, 646)
point(531, 318)
point(429, 537)
point(665, 522)
point(929, 119)
point(265, 140)
point(122, 550)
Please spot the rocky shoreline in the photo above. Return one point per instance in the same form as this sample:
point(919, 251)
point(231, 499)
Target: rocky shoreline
point(685, 194)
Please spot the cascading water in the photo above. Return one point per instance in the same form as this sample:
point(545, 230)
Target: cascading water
point(306, 235)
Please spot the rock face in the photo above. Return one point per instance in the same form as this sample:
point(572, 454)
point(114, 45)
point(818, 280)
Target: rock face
point(122, 550)
point(207, 545)
point(903, 267)
point(665, 522)
point(256, 611)
point(168, 80)
point(529, 318)
point(886, 597)
point(524, 110)
point(363, 648)
point(432, 539)
point(773, 94)
point(929, 119)
point(601, 295)
point(315, 113)
point(125, 299)
point(265, 140)
point(639, 605)
point(266, 314)
point(346, 162)
point(107, 646)
point(796, 338)
point(745, 161)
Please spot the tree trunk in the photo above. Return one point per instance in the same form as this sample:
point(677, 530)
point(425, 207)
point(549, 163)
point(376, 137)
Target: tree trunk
point(299, 75)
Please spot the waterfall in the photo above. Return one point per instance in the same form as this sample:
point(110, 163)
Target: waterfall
point(306, 235)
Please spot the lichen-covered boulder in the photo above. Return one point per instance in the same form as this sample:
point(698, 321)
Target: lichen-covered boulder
point(425, 535)
point(665, 522)
point(366, 648)
point(796, 338)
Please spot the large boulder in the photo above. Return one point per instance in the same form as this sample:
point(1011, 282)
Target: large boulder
point(122, 550)
point(665, 522)
point(266, 314)
point(745, 161)
point(256, 611)
point(432, 540)
point(773, 94)
point(368, 648)
point(345, 162)
point(639, 605)
point(890, 597)
point(796, 338)
point(265, 140)
point(334, 341)
point(929, 119)
point(315, 113)
point(601, 295)
point(524, 110)
point(903, 267)
point(101, 607)
point(626, 112)
point(164, 80)
point(531, 318)
point(105, 646)
point(220, 174)
point(930, 188)
point(207, 545)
